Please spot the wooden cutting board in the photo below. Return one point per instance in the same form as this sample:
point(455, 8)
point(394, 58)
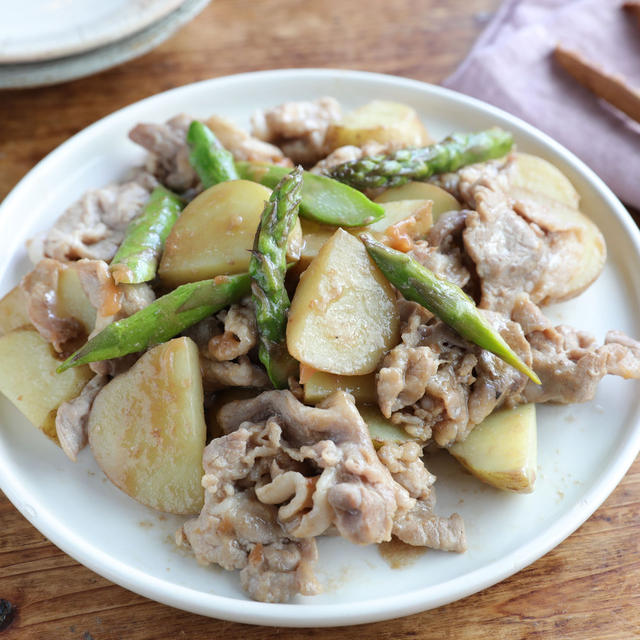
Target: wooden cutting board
point(587, 588)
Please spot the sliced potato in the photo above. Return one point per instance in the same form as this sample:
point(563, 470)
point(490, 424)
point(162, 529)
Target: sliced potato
point(215, 232)
point(321, 385)
point(582, 250)
point(343, 316)
point(502, 449)
point(381, 429)
point(442, 200)
point(73, 302)
point(314, 237)
point(540, 176)
point(13, 310)
point(379, 121)
point(29, 380)
point(147, 429)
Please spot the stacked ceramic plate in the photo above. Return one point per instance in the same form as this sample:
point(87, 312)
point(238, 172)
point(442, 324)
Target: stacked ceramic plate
point(50, 41)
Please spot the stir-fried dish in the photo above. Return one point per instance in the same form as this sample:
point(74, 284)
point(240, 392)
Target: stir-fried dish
point(264, 331)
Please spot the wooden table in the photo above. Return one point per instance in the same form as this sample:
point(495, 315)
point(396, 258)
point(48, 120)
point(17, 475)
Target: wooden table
point(587, 588)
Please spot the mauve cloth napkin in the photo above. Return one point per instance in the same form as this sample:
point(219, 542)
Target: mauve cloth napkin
point(511, 66)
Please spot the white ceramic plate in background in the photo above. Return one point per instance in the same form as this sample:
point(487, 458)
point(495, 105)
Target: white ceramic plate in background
point(37, 74)
point(584, 450)
point(32, 30)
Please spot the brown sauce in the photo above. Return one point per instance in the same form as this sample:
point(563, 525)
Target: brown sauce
point(398, 555)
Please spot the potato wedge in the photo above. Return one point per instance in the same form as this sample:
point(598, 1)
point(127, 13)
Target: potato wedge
point(379, 121)
point(215, 232)
point(37, 390)
point(443, 201)
point(540, 176)
point(147, 429)
point(321, 385)
point(502, 449)
point(13, 310)
point(73, 301)
point(343, 316)
point(381, 429)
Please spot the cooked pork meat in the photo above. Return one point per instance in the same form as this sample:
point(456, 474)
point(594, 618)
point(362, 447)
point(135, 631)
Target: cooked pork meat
point(168, 158)
point(94, 226)
point(298, 128)
point(112, 302)
point(240, 333)
point(237, 531)
point(421, 528)
point(442, 252)
point(349, 153)
point(509, 254)
point(570, 363)
point(72, 418)
point(237, 373)
point(244, 146)
point(40, 287)
point(285, 473)
point(362, 497)
point(518, 241)
point(436, 384)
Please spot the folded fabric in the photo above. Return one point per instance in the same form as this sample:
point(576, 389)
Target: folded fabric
point(511, 66)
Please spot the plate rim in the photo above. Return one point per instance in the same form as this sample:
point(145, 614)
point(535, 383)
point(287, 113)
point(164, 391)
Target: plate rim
point(372, 610)
point(138, 21)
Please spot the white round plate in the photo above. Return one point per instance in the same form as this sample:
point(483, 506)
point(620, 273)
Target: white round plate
point(584, 450)
point(33, 30)
point(37, 74)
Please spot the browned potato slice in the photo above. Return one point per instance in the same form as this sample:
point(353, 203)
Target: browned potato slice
point(29, 380)
point(539, 176)
point(343, 316)
point(13, 310)
point(321, 385)
point(215, 232)
point(443, 201)
point(502, 449)
point(381, 429)
point(147, 429)
point(379, 121)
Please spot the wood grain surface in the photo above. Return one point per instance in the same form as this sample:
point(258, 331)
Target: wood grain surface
point(587, 588)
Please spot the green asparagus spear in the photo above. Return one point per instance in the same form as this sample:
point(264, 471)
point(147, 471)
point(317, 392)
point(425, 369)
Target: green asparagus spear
point(403, 165)
point(162, 319)
point(267, 268)
point(137, 258)
point(323, 200)
point(212, 162)
point(444, 299)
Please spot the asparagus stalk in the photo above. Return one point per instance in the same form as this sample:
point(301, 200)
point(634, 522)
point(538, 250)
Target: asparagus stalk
point(421, 163)
point(267, 268)
point(444, 299)
point(137, 258)
point(212, 162)
point(163, 319)
point(323, 200)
